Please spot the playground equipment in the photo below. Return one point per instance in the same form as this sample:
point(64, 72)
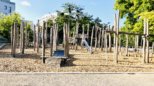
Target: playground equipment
point(106, 39)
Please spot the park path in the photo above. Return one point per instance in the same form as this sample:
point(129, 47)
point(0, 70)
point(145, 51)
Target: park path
point(76, 79)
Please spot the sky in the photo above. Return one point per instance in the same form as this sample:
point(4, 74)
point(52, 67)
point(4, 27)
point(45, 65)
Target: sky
point(35, 9)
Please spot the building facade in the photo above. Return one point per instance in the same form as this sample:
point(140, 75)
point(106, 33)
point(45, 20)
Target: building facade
point(7, 7)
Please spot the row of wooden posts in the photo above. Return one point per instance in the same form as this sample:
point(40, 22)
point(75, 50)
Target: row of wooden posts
point(101, 37)
point(19, 38)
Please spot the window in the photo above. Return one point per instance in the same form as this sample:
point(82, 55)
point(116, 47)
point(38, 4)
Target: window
point(5, 7)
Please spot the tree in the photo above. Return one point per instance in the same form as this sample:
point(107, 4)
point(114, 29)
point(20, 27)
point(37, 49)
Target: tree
point(135, 11)
point(6, 22)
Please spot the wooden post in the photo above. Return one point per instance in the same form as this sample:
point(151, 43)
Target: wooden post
point(96, 30)
point(92, 34)
point(51, 41)
point(22, 40)
point(12, 34)
point(102, 41)
point(88, 26)
point(26, 35)
point(144, 42)
point(43, 42)
point(117, 36)
point(105, 40)
point(126, 44)
point(110, 47)
point(17, 35)
point(136, 42)
point(66, 46)
point(14, 39)
point(76, 35)
point(99, 38)
point(147, 41)
point(34, 37)
point(64, 38)
point(55, 39)
point(152, 47)
point(37, 37)
point(119, 43)
point(46, 33)
point(67, 38)
point(83, 35)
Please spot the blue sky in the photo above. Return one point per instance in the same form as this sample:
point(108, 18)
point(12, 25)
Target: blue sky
point(34, 9)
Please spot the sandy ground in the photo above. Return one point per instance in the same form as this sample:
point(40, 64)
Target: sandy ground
point(81, 61)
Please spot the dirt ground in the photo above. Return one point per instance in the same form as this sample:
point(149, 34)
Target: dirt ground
point(80, 61)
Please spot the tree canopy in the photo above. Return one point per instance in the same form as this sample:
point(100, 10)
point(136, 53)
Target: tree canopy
point(6, 22)
point(135, 11)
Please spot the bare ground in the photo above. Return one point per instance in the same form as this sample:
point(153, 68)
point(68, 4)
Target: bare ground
point(80, 61)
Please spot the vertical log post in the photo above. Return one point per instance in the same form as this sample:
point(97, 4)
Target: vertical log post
point(12, 34)
point(99, 38)
point(147, 41)
point(46, 33)
point(22, 40)
point(76, 35)
point(43, 43)
point(37, 37)
point(88, 26)
point(96, 30)
point(126, 44)
point(110, 41)
point(34, 37)
point(144, 42)
point(92, 34)
point(152, 47)
point(102, 40)
point(51, 41)
point(14, 39)
point(117, 36)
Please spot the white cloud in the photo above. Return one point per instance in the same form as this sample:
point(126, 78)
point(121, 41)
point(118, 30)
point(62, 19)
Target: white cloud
point(25, 3)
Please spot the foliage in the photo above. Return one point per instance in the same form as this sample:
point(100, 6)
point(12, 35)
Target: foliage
point(72, 13)
point(135, 11)
point(6, 22)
